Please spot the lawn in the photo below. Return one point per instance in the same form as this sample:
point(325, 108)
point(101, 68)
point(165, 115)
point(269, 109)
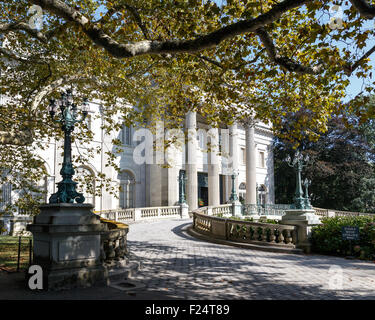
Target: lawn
point(9, 252)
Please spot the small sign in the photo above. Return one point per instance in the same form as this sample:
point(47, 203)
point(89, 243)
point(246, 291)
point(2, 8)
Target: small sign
point(350, 233)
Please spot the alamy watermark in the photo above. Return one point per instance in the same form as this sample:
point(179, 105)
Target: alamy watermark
point(36, 278)
point(336, 278)
point(36, 20)
point(169, 146)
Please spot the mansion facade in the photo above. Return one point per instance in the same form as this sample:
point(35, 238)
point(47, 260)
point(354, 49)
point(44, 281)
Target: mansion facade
point(208, 174)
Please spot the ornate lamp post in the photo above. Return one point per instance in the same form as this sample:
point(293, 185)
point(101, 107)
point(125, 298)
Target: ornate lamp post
point(307, 183)
point(182, 179)
point(299, 162)
point(233, 196)
point(67, 118)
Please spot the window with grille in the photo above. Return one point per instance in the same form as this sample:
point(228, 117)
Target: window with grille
point(126, 135)
point(5, 195)
point(126, 197)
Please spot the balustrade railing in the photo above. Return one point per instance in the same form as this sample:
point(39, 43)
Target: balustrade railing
point(245, 231)
point(266, 210)
point(113, 243)
point(321, 212)
point(263, 232)
point(133, 214)
point(225, 209)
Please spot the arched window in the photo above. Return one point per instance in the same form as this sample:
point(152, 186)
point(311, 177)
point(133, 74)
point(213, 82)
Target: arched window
point(127, 182)
point(86, 183)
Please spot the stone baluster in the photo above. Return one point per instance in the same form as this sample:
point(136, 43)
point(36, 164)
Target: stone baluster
point(255, 234)
point(272, 235)
point(281, 236)
point(264, 234)
point(288, 237)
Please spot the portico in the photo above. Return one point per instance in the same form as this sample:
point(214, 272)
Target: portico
point(216, 162)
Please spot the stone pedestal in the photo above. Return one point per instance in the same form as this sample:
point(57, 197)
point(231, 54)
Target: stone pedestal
point(237, 208)
point(304, 220)
point(184, 209)
point(67, 246)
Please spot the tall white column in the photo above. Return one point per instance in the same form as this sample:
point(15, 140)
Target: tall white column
point(213, 169)
point(191, 161)
point(233, 153)
point(251, 197)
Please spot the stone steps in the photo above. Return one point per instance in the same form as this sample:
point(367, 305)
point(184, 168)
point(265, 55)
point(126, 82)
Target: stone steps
point(122, 271)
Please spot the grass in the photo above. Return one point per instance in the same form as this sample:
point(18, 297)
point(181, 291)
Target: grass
point(9, 253)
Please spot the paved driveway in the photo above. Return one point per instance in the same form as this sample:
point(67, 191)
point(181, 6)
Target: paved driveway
point(186, 268)
point(176, 266)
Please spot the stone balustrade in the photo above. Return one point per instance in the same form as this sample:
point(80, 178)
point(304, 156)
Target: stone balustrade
point(276, 211)
point(113, 242)
point(321, 212)
point(245, 231)
point(338, 213)
point(222, 210)
point(136, 214)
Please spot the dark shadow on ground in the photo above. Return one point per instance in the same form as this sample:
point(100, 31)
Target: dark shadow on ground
point(188, 272)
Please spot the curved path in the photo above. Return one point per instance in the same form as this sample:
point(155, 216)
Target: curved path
point(179, 266)
point(175, 265)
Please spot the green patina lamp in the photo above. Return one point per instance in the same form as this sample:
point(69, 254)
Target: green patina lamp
point(67, 118)
point(182, 179)
point(298, 162)
point(233, 196)
point(307, 183)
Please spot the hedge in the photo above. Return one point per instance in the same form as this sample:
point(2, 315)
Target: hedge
point(327, 238)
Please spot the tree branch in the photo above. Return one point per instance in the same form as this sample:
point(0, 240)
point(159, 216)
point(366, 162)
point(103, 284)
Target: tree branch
point(365, 9)
point(138, 20)
point(121, 50)
point(212, 61)
point(349, 68)
point(284, 62)
point(16, 26)
point(20, 57)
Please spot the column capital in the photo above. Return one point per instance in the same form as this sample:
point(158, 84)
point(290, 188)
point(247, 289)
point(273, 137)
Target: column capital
point(249, 122)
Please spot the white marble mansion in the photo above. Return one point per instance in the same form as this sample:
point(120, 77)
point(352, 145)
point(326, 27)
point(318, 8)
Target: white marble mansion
point(208, 176)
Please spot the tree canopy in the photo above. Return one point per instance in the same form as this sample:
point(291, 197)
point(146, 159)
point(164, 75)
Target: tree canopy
point(341, 167)
point(226, 60)
point(231, 60)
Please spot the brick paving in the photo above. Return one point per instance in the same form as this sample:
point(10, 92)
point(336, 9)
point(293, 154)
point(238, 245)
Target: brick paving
point(187, 268)
point(175, 265)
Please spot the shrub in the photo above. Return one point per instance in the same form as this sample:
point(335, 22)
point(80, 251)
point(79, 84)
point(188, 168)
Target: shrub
point(327, 238)
point(272, 221)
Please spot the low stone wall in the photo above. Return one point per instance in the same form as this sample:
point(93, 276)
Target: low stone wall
point(113, 242)
point(245, 231)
